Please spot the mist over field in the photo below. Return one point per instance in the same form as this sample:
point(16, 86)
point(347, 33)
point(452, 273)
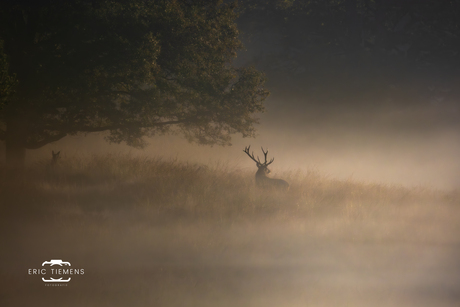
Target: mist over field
point(362, 121)
point(409, 147)
point(371, 219)
point(170, 233)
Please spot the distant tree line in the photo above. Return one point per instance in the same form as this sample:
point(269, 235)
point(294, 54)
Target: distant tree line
point(347, 44)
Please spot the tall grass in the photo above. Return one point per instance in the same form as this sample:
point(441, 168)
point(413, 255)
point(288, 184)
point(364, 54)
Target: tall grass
point(153, 188)
point(153, 232)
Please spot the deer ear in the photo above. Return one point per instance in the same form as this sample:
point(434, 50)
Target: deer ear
point(58, 152)
point(52, 151)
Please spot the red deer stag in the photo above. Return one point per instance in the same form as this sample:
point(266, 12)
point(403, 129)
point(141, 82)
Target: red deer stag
point(261, 175)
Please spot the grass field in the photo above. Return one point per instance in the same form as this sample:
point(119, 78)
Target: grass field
point(152, 232)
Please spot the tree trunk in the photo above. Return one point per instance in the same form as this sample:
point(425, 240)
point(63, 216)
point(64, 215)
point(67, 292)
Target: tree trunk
point(15, 155)
point(15, 145)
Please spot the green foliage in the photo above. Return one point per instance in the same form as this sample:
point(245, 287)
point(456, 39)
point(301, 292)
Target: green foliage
point(7, 81)
point(134, 68)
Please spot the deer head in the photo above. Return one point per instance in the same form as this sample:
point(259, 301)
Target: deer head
point(55, 157)
point(263, 169)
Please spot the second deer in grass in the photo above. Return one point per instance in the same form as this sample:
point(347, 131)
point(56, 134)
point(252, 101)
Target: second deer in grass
point(56, 157)
point(261, 175)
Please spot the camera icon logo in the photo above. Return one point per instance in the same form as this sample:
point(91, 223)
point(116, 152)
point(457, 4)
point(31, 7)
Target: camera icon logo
point(56, 262)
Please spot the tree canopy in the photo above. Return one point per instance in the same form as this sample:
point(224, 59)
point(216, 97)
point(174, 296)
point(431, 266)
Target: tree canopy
point(134, 68)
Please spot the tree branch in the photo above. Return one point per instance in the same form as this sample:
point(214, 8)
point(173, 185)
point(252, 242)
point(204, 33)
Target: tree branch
point(113, 127)
point(38, 144)
point(43, 142)
point(118, 92)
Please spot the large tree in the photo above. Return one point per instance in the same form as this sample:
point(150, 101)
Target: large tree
point(135, 68)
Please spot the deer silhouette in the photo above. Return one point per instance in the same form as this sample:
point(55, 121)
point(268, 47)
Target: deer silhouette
point(55, 157)
point(261, 175)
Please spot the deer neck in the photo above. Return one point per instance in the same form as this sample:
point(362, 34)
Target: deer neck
point(261, 173)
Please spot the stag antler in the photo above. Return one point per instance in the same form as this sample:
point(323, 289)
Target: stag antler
point(265, 154)
point(246, 150)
